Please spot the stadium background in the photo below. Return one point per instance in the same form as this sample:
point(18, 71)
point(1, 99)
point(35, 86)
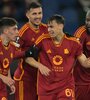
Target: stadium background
point(74, 12)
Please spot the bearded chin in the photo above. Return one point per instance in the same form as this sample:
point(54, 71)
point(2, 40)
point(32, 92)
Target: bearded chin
point(88, 31)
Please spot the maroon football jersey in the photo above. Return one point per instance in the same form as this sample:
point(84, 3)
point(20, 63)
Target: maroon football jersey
point(7, 54)
point(28, 36)
point(82, 75)
point(60, 59)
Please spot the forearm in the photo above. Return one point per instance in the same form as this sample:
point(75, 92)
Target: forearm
point(85, 62)
point(32, 62)
point(42, 68)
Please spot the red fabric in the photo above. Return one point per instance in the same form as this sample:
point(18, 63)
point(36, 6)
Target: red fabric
point(82, 75)
point(27, 91)
point(60, 59)
point(6, 56)
point(25, 71)
point(27, 39)
point(82, 92)
point(65, 94)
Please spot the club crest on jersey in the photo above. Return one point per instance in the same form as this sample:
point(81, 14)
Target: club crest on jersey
point(57, 60)
point(66, 51)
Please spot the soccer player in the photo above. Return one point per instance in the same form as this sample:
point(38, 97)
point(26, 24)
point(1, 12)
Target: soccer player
point(82, 75)
point(25, 76)
point(8, 33)
point(57, 56)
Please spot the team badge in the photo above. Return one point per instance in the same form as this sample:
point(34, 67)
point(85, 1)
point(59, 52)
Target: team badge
point(57, 60)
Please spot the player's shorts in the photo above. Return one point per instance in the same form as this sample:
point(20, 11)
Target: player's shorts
point(25, 90)
point(66, 94)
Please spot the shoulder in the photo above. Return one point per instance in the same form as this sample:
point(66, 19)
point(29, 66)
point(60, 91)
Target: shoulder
point(72, 39)
point(23, 29)
point(43, 26)
point(42, 37)
point(80, 31)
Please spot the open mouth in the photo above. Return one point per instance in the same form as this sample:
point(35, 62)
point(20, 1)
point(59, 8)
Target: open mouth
point(38, 20)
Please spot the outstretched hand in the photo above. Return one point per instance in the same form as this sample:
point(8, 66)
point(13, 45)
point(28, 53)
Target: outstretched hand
point(8, 81)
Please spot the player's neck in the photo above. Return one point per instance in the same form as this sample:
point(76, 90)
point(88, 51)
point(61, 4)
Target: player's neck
point(35, 27)
point(58, 39)
point(5, 40)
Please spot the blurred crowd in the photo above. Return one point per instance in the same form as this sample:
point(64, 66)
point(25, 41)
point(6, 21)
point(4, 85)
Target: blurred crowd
point(15, 9)
point(73, 10)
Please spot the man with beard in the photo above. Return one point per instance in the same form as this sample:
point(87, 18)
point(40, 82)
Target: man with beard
point(81, 74)
point(25, 75)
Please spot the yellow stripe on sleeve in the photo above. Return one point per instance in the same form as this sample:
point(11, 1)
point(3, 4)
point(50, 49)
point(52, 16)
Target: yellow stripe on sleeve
point(40, 38)
point(79, 31)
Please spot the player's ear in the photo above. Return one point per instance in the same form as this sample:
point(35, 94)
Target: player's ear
point(27, 14)
point(61, 26)
point(5, 30)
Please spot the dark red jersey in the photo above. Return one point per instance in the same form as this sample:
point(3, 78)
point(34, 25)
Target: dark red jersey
point(28, 36)
point(60, 59)
point(7, 54)
point(82, 75)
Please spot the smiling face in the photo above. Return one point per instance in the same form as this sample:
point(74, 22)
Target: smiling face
point(54, 28)
point(35, 16)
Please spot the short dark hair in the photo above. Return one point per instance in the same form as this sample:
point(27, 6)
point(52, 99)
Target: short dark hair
point(58, 18)
point(33, 5)
point(7, 22)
